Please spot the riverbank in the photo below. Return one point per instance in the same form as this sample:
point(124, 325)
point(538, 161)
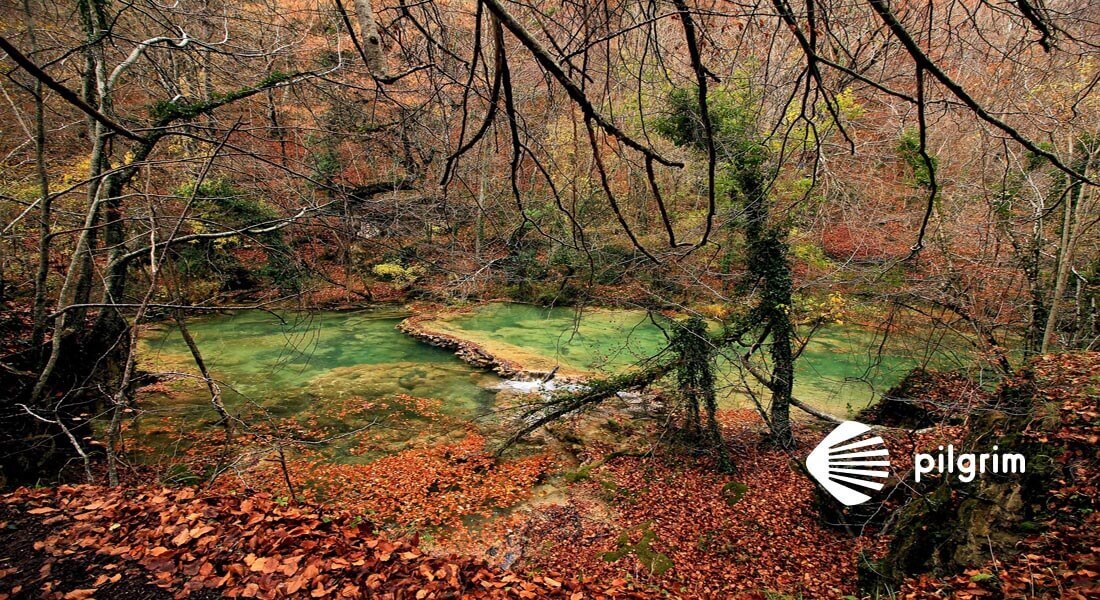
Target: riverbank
point(625, 525)
point(530, 342)
point(629, 518)
point(417, 326)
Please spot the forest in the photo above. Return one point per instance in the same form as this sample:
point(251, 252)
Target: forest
point(761, 299)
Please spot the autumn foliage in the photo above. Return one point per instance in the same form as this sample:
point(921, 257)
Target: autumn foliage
point(237, 546)
point(648, 525)
point(1061, 555)
point(422, 486)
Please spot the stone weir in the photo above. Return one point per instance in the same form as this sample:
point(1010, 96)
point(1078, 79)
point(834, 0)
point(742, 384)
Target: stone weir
point(468, 351)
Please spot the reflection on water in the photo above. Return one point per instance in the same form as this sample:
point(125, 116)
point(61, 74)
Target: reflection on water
point(329, 373)
point(843, 368)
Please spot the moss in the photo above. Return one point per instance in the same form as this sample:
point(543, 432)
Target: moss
point(988, 581)
point(580, 474)
point(1031, 527)
point(167, 111)
point(982, 577)
point(955, 525)
point(734, 491)
point(656, 562)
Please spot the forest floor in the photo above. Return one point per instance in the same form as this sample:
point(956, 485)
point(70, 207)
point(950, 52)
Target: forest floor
point(600, 523)
point(618, 527)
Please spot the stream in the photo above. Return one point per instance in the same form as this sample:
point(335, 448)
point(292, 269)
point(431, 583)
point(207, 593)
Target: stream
point(332, 373)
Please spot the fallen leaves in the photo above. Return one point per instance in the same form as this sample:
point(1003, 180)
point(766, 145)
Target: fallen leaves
point(257, 548)
point(435, 485)
point(1061, 558)
point(665, 525)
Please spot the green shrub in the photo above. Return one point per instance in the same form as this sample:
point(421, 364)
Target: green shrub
point(396, 273)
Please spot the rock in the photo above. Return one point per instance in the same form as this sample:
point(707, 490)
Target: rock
point(468, 352)
point(949, 525)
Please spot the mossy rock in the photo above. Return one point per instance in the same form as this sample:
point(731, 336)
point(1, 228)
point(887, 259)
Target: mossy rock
point(949, 526)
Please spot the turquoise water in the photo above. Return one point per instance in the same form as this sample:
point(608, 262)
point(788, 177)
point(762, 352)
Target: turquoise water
point(594, 340)
point(329, 372)
point(260, 353)
point(843, 368)
point(324, 375)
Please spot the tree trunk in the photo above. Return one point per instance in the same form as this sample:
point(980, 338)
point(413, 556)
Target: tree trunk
point(45, 202)
point(370, 39)
point(211, 385)
point(76, 287)
point(1074, 202)
point(769, 268)
point(1033, 340)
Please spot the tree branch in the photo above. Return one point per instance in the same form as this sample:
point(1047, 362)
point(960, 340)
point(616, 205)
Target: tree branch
point(542, 56)
point(883, 9)
point(68, 95)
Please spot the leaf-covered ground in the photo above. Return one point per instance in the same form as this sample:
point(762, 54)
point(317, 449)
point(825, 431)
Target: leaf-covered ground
point(133, 542)
point(680, 526)
point(1062, 558)
point(645, 526)
point(675, 525)
point(453, 522)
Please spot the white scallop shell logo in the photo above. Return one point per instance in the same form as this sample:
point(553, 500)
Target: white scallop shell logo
point(845, 460)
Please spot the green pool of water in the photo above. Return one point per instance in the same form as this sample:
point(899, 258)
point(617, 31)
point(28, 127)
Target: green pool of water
point(843, 368)
point(540, 339)
point(330, 372)
point(325, 375)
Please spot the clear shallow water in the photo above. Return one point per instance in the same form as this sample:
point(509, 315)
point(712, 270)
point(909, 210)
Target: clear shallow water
point(597, 340)
point(841, 370)
point(326, 374)
point(329, 372)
